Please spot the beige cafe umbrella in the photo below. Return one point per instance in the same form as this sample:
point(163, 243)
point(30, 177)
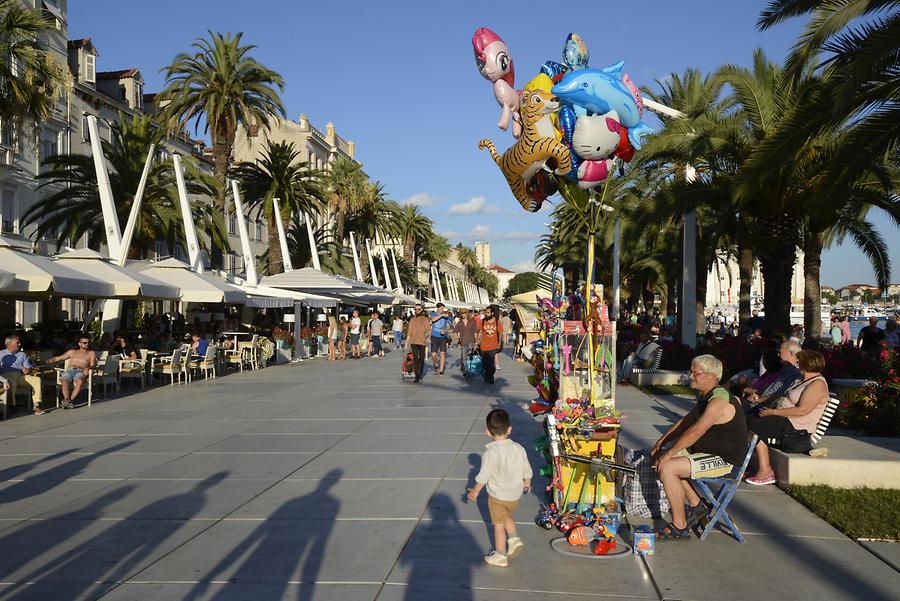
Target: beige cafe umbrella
point(195, 287)
point(127, 282)
point(37, 276)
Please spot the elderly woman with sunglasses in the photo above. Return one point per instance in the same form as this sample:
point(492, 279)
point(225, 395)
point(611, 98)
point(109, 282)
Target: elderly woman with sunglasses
point(800, 409)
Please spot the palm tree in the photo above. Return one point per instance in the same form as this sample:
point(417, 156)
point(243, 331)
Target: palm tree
point(371, 218)
point(280, 174)
point(71, 206)
point(345, 182)
point(860, 69)
point(221, 86)
point(30, 79)
point(415, 230)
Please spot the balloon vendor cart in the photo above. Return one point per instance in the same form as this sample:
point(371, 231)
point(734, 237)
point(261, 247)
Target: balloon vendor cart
point(572, 126)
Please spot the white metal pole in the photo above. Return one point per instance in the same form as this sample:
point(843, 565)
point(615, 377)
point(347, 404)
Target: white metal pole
point(135, 209)
point(372, 270)
point(249, 262)
point(313, 249)
point(662, 109)
point(617, 227)
point(190, 232)
point(689, 273)
point(282, 238)
point(107, 203)
point(355, 257)
point(396, 271)
point(384, 265)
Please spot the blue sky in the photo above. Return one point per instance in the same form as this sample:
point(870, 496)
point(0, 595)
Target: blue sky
point(399, 79)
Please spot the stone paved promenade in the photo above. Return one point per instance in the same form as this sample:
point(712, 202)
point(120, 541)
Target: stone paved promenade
point(341, 482)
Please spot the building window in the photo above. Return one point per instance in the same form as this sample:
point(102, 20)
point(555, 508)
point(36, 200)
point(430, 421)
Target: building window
point(49, 147)
point(8, 210)
point(259, 230)
point(7, 135)
point(85, 132)
point(140, 96)
point(232, 223)
point(90, 68)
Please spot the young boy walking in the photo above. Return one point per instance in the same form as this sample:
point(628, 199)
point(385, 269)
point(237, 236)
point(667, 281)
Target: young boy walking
point(506, 473)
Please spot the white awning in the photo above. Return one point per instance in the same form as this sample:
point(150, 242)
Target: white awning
point(266, 297)
point(306, 279)
point(195, 287)
point(36, 275)
point(127, 283)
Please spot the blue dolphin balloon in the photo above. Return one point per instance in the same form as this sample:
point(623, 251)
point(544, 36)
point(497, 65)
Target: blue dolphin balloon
point(600, 91)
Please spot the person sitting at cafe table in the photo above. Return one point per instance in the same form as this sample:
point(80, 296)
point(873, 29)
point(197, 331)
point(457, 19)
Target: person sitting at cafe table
point(199, 344)
point(123, 348)
point(15, 366)
point(81, 361)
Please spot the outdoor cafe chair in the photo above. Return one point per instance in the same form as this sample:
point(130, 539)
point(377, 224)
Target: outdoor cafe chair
point(133, 369)
point(88, 385)
point(108, 375)
point(719, 500)
point(169, 365)
point(207, 365)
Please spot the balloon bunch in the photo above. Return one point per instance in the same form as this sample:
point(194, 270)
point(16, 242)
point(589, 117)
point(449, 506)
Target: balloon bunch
point(570, 120)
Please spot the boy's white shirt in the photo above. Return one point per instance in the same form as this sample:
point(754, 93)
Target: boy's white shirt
point(504, 467)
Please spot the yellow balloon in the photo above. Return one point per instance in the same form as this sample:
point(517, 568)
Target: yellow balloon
point(542, 82)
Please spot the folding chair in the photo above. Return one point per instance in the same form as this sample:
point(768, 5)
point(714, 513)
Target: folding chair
point(718, 501)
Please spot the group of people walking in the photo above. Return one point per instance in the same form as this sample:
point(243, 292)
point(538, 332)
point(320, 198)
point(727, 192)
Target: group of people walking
point(483, 333)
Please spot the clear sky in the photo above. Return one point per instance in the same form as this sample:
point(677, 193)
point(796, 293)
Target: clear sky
point(399, 79)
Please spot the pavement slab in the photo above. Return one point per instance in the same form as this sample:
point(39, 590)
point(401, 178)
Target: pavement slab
point(342, 481)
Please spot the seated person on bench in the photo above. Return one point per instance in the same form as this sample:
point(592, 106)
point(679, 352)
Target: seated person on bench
point(706, 443)
point(787, 377)
point(642, 357)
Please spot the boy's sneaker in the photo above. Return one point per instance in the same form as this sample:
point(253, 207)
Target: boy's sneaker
point(513, 546)
point(496, 559)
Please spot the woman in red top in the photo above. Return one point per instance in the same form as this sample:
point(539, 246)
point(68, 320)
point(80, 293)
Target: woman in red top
point(488, 341)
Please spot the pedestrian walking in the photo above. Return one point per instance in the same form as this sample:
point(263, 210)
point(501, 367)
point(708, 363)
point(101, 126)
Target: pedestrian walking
point(416, 338)
point(488, 341)
point(376, 327)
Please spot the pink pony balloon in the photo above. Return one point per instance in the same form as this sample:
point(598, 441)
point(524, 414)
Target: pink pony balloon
point(495, 64)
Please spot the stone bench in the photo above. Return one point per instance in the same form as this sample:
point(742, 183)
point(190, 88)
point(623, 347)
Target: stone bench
point(661, 377)
point(852, 462)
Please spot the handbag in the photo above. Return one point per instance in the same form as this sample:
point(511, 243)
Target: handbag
point(796, 441)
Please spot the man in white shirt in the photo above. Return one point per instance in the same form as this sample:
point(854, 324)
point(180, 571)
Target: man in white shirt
point(355, 324)
point(376, 327)
point(641, 357)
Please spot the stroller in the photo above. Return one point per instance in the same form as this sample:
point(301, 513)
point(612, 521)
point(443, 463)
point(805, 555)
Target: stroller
point(472, 366)
point(407, 368)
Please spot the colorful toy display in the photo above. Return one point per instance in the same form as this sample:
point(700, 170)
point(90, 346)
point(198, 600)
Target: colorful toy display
point(597, 118)
point(495, 64)
point(531, 151)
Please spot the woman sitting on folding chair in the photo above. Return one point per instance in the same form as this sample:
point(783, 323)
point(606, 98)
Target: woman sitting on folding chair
point(707, 442)
point(798, 412)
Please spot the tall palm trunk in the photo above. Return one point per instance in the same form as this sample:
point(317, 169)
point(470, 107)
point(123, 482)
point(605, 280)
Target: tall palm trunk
point(409, 248)
point(223, 142)
point(340, 216)
point(745, 271)
point(812, 294)
point(276, 260)
point(776, 261)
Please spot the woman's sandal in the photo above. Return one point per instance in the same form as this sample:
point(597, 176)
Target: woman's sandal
point(670, 532)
